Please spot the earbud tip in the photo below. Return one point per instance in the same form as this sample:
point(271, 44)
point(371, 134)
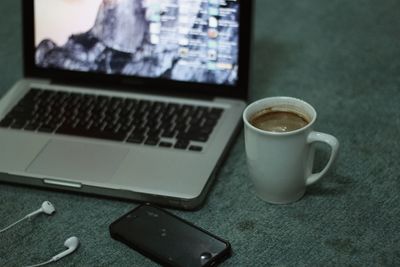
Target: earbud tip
point(48, 208)
point(72, 242)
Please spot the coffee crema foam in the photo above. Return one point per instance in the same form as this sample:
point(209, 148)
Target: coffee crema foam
point(278, 120)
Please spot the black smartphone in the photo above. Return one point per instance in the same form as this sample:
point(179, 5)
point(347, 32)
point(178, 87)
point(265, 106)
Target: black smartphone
point(167, 239)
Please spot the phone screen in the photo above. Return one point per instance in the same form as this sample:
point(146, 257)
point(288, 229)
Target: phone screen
point(168, 239)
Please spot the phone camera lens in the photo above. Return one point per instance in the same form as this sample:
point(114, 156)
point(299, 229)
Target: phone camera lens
point(205, 256)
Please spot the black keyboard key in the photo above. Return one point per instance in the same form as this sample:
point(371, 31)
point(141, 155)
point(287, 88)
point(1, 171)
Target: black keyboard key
point(205, 130)
point(195, 148)
point(129, 104)
point(127, 127)
point(32, 94)
point(137, 139)
point(6, 122)
point(152, 141)
point(153, 133)
point(194, 136)
point(46, 128)
point(151, 124)
point(110, 127)
point(210, 123)
point(165, 144)
point(200, 137)
point(180, 128)
point(17, 124)
point(181, 144)
point(19, 109)
point(188, 108)
point(200, 112)
point(165, 126)
point(139, 131)
point(215, 113)
point(158, 107)
point(120, 136)
point(195, 122)
point(31, 126)
point(144, 105)
point(168, 134)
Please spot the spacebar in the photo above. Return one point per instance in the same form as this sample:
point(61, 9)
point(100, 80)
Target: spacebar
point(91, 133)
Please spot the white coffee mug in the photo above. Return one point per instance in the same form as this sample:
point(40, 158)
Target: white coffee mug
point(280, 163)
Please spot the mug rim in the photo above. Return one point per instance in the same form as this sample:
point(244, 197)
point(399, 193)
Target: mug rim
point(264, 132)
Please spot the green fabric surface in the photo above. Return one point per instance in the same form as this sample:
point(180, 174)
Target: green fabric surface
point(341, 56)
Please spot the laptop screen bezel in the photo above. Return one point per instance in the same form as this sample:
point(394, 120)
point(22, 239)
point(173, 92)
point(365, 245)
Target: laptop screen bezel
point(129, 83)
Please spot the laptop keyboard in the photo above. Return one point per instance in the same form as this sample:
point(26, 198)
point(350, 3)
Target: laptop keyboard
point(138, 121)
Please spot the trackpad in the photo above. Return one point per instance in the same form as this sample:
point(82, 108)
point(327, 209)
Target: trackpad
point(78, 161)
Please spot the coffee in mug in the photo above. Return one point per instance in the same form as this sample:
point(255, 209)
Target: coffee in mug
point(278, 120)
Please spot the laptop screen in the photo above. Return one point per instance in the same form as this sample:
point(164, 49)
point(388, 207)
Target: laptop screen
point(193, 41)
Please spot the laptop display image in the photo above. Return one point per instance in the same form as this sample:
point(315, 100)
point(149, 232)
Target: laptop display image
point(195, 41)
point(130, 99)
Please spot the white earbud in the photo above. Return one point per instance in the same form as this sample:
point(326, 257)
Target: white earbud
point(72, 244)
point(47, 208)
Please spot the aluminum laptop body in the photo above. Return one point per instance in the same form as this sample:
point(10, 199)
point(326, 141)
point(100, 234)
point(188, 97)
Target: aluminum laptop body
point(185, 52)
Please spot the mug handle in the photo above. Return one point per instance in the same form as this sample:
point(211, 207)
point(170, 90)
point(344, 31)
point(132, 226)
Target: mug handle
point(331, 141)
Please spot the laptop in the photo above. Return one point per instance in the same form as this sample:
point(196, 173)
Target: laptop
point(133, 99)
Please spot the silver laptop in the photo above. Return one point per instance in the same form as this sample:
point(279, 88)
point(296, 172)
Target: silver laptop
point(134, 99)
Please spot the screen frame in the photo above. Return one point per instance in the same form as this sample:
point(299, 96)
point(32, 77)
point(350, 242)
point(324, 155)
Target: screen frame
point(134, 83)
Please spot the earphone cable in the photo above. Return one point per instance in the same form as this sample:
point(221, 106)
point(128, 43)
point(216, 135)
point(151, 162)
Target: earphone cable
point(11, 225)
point(41, 264)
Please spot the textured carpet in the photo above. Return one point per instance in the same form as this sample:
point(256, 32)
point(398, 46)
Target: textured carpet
point(341, 56)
